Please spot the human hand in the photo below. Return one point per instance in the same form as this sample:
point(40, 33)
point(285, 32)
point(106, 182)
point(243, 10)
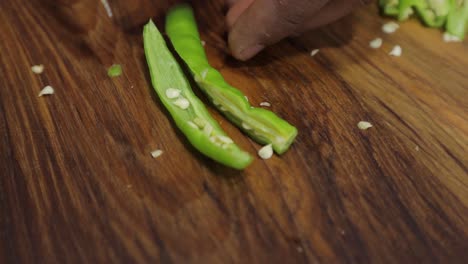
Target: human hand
point(255, 24)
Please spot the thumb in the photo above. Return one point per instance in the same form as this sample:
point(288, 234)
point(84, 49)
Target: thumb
point(266, 22)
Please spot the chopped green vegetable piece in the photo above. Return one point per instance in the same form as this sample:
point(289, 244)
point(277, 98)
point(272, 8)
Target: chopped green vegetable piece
point(433, 13)
point(262, 125)
point(114, 70)
point(406, 8)
point(389, 7)
point(186, 108)
point(457, 21)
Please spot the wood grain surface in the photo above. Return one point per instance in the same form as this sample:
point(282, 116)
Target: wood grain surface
point(78, 183)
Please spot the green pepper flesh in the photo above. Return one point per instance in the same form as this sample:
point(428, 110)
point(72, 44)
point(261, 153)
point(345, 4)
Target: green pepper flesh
point(260, 124)
point(166, 73)
point(457, 21)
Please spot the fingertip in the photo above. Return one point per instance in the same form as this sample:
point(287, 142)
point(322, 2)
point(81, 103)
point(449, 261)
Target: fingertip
point(249, 52)
point(243, 48)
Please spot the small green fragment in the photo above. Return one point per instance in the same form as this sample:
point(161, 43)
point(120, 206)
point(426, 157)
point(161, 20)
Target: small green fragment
point(114, 71)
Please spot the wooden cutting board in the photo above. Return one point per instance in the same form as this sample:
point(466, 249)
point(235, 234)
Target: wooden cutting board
point(78, 183)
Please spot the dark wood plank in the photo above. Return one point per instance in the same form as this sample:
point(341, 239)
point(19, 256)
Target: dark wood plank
point(78, 184)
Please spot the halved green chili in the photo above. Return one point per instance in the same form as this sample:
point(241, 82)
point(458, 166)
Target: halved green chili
point(188, 112)
point(260, 124)
point(457, 21)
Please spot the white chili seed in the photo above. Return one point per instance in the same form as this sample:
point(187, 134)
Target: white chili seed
point(266, 152)
point(37, 69)
point(48, 90)
point(376, 43)
point(314, 52)
point(156, 153)
point(172, 93)
point(182, 103)
point(390, 27)
point(267, 104)
point(364, 125)
point(396, 51)
point(224, 139)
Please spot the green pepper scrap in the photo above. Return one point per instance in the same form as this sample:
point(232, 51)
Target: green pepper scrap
point(390, 7)
point(406, 8)
point(457, 21)
point(114, 71)
point(453, 14)
point(434, 12)
point(188, 112)
point(260, 124)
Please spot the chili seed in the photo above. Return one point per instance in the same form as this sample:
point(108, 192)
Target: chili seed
point(182, 103)
point(172, 93)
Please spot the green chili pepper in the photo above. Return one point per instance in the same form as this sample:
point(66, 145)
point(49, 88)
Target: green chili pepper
point(406, 8)
point(457, 21)
point(433, 12)
point(188, 112)
point(389, 7)
point(260, 124)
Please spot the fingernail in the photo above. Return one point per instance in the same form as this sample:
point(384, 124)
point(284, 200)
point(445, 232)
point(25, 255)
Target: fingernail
point(250, 51)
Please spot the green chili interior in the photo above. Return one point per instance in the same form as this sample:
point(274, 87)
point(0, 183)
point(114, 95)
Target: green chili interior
point(188, 112)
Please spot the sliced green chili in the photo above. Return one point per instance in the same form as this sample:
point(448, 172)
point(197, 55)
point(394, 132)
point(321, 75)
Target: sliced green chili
point(457, 21)
point(406, 8)
point(260, 124)
point(389, 7)
point(433, 13)
point(188, 112)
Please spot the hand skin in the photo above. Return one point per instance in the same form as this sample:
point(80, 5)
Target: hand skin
point(256, 24)
point(252, 24)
